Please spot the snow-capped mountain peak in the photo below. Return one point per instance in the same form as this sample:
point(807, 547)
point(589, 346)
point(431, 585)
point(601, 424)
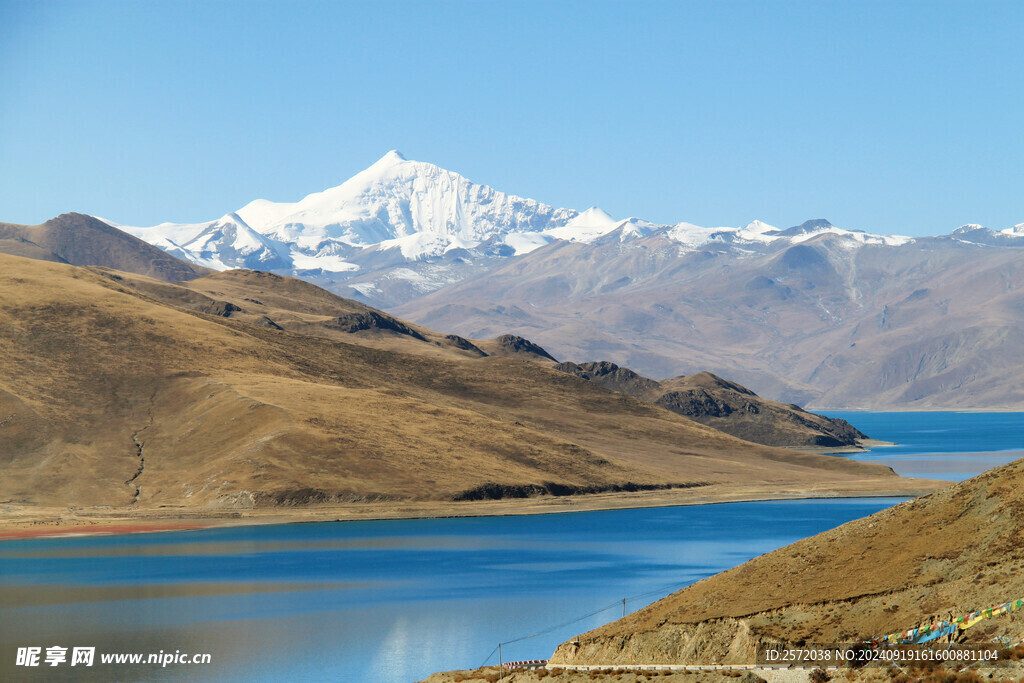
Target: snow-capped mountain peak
point(229, 242)
point(404, 221)
point(967, 227)
point(392, 157)
point(396, 198)
point(594, 216)
point(758, 227)
point(585, 227)
point(415, 209)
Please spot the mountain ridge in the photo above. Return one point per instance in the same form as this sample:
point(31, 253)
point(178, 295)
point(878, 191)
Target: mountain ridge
point(707, 398)
point(426, 227)
point(813, 314)
point(929, 324)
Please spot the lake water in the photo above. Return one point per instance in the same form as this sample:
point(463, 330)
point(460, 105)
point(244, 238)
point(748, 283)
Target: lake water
point(397, 600)
point(941, 445)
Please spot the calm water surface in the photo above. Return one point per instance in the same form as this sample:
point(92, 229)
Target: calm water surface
point(941, 445)
point(397, 600)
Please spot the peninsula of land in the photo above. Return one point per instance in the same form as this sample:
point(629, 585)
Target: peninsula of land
point(178, 396)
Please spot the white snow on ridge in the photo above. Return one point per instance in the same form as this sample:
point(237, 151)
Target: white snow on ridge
point(418, 208)
point(858, 238)
point(690, 235)
point(420, 244)
point(328, 262)
point(399, 210)
point(525, 242)
point(396, 198)
point(585, 227)
point(693, 237)
point(176, 233)
point(758, 228)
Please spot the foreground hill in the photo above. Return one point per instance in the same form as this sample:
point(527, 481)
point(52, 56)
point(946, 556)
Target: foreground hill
point(123, 390)
point(724, 405)
point(952, 552)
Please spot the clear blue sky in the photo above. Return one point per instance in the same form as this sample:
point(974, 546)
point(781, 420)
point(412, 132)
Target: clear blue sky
point(895, 117)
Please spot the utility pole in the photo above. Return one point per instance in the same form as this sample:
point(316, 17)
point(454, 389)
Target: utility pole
point(623, 606)
point(499, 660)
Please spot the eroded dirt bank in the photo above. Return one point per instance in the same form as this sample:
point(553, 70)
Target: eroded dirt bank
point(21, 521)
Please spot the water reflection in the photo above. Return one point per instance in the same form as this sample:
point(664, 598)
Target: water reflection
point(387, 601)
point(947, 466)
point(397, 600)
point(941, 445)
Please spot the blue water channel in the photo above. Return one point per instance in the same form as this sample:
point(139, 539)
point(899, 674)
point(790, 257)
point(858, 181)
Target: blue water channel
point(397, 600)
point(941, 445)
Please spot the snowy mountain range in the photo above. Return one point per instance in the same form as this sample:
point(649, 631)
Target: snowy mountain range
point(402, 228)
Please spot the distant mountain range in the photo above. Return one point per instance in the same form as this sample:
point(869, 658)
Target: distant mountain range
point(809, 314)
point(827, 323)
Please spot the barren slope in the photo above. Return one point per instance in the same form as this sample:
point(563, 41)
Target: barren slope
point(826, 323)
point(724, 405)
point(121, 390)
point(952, 552)
point(85, 241)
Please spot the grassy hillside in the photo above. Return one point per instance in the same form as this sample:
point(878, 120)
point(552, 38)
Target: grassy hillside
point(243, 389)
point(952, 552)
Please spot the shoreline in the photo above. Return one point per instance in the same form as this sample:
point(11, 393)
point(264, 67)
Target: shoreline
point(30, 522)
point(825, 411)
point(862, 446)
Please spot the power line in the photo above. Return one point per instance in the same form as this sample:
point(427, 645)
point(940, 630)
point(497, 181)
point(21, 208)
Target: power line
point(488, 657)
point(550, 629)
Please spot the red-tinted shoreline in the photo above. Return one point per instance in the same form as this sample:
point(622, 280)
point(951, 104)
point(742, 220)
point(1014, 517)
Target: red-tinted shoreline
point(96, 530)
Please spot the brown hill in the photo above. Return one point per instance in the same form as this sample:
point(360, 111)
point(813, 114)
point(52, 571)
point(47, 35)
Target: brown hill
point(86, 241)
point(123, 390)
point(285, 303)
point(724, 405)
point(952, 552)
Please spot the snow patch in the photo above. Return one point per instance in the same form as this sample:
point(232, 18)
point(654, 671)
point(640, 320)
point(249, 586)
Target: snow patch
point(326, 262)
point(585, 227)
point(525, 242)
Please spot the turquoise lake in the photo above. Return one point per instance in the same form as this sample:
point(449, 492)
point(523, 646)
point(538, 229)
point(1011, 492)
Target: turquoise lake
point(397, 600)
point(941, 445)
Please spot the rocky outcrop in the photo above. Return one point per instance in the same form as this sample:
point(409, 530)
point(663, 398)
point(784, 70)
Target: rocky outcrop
point(372, 320)
point(611, 376)
point(699, 403)
point(222, 309)
point(493, 491)
point(513, 344)
point(463, 344)
point(730, 407)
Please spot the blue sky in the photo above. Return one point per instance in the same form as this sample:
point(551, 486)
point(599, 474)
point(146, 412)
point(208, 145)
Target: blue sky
point(889, 117)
